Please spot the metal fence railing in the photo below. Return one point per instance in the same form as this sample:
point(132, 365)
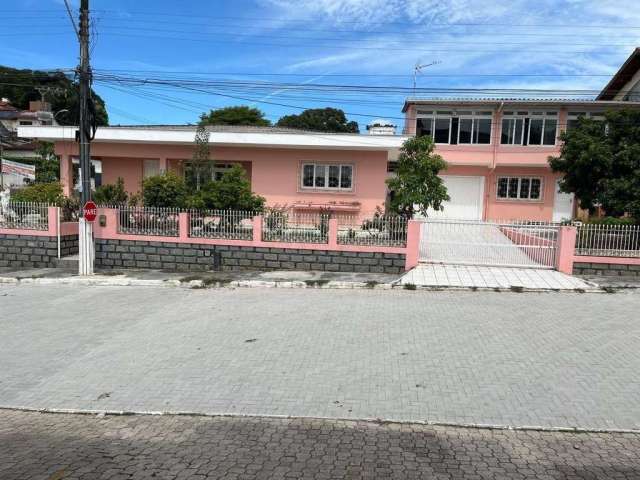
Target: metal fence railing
point(600, 240)
point(495, 243)
point(149, 221)
point(278, 226)
point(24, 215)
point(376, 230)
point(229, 224)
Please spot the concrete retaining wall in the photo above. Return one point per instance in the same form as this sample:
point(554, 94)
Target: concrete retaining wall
point(199, 257)
point(34, 251)
point(610, 269)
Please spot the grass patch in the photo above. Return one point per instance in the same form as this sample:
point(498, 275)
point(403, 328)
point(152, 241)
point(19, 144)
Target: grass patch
point(111, 273)
point(371, 284)
point(316, 283)
point(191, 278)
point(609, 289)
point(516, 288)
point(409, 286)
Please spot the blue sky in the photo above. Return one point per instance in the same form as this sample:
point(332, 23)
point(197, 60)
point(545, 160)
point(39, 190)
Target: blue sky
point(570, 44)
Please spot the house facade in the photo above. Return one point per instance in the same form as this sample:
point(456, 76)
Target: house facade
point(497, 152)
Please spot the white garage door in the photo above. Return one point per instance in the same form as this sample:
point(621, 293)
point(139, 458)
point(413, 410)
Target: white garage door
point(467, 194)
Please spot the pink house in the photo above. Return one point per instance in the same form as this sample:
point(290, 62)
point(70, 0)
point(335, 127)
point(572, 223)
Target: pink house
point(497, 153)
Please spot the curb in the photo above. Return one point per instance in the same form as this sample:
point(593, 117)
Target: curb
point(121, 281)
point(376, 421)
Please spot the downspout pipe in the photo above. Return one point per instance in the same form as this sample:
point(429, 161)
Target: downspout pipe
point(494, 159)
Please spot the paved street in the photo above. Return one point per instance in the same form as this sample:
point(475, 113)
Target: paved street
point(75, 447)
point(554, 359)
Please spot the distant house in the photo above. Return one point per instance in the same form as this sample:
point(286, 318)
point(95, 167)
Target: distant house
point(625, 84)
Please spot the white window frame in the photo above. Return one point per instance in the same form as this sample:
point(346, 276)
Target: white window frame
point(473, 116)
point(544, 116)
point(575, 115)
point(326, 166)
point(519, 198)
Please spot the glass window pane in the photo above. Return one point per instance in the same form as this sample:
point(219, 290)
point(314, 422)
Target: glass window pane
point(524, 188)
point(550, 131)
point(465, 130)
point(507, 131)
point(150, 168)
point(320, 174)
point(424, 126)
point(307, 176)
point(346, 177)
point(442, 130)
point(535, 188)
point(503, 184)
point(535, 131)
point(513, 188)
point(482, 131)
point(518, 131)
point(573, 123)
point(334, 176)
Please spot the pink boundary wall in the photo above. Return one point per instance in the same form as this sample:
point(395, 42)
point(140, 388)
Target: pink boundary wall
point(411, 251)
point(66, 228)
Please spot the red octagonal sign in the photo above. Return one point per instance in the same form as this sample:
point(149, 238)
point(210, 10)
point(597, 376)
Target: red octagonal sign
point(90, 211)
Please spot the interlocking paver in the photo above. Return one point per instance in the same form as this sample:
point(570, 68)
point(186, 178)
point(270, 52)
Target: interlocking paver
point(553, 359)
point(86, 447)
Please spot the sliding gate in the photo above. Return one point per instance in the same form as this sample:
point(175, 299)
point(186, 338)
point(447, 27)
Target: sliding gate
point(492, 243)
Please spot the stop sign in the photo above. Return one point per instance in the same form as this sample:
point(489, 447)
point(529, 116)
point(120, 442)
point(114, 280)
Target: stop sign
point(90, 211)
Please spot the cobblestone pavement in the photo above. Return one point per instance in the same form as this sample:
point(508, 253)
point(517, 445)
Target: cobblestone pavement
point(68, 447)
point(524, 359)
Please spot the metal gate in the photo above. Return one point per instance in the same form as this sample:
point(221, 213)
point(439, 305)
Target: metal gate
point(491, 243)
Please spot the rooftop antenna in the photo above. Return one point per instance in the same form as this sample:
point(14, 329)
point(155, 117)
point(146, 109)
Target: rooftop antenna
point(418, 69)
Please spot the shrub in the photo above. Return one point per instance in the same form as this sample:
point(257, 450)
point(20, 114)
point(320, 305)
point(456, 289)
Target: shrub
point(111, 194)
point(231, 192)
point(166, 190)
point(611, 221)
point(50, 193)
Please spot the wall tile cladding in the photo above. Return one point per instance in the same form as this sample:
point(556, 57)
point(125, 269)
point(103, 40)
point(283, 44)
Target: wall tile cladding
point(197, 257)
point(34, 251)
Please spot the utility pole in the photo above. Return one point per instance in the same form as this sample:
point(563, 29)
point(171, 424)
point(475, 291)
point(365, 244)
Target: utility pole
point(85, 241)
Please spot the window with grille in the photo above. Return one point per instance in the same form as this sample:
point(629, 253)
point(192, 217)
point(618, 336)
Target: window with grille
point(519, 188)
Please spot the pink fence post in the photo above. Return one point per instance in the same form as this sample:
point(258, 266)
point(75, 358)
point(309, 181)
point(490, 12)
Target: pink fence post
point(257, 229)
point(333, 233)
point(110, 229)
point(183, 226)
point(413, 244)
point(566, 249)
point(52, 220)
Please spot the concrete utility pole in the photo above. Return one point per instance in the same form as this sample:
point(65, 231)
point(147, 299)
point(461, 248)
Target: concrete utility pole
point(85, 240)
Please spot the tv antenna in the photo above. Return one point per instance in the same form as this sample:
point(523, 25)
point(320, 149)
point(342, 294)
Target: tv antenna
point(418, 69)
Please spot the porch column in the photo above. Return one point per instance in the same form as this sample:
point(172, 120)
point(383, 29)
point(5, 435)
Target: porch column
point(163, 165)
point(66, 174)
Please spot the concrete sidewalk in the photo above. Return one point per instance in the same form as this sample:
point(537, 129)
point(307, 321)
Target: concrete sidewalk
point(238, 279)
point(428, 277)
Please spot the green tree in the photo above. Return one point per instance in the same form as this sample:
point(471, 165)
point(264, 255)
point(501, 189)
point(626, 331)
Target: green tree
point(111, 194)
point(47, 164)
point(166, 190)
point(321, 120)
point(416, 183)
point(601, 163)
point(240, 115)
point(21, 87)
point(200, 165)
point(231, 192)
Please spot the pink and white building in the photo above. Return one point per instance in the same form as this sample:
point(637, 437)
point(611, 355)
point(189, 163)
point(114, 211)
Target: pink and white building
point(497, 154)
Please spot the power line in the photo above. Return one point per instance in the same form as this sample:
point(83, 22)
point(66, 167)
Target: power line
point(73, 22)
